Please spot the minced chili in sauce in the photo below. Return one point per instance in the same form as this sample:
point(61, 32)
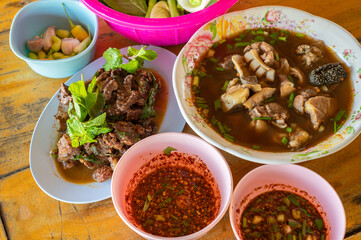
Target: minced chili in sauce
point(281, 215)
point(173, 201)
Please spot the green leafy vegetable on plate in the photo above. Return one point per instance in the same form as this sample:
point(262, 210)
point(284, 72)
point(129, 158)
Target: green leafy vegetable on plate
point(86, 104)
point(136, 58)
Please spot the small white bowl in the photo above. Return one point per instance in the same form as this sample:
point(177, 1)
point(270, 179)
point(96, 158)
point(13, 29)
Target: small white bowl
point(143, 151)
point(292, 178)
point(35, 18)
point(334, 36)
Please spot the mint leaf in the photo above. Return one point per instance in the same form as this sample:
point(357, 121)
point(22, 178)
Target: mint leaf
point(148, 55)
point(168, 150)
point(96, 121)
point(92, 85)
point(132, 52)
point(94, 103)
point(81, 133)
point(77, 89)
point(80, 111)
point(75, 130)
point(113, 58)
point(130, 67)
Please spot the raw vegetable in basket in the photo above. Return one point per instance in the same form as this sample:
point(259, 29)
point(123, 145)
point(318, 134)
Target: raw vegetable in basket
point(157, 8)
point(59, 43)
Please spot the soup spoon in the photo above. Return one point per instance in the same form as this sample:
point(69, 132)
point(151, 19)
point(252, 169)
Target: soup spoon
point(186, 4)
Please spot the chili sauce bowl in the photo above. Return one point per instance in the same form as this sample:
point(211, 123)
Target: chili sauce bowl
point(35, 18)
point(295, 179)
point(142, 153)
point(229, 25)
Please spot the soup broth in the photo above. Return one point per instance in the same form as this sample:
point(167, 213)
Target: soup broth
point(215, 72)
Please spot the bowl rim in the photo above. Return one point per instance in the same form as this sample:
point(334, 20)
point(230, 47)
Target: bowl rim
point(295, 167)
point(271, 156)
point(114, 16)
point(40, 2)
point(171, 135)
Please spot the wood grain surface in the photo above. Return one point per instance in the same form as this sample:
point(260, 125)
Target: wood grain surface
point(26, 212)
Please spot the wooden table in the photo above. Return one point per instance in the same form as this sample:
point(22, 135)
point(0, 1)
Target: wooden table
point(26, 212)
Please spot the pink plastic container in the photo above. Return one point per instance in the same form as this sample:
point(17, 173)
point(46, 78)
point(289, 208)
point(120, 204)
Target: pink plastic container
point(158, 31)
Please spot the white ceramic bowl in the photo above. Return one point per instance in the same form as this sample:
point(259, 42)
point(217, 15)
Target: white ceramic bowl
point(146, 149)
point(35, 18)
point(295, 179)
point(337, 38)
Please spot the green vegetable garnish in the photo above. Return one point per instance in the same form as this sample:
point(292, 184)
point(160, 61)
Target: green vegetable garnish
point(319, 224)
point(114, 58)
point(86, 104)
point(168, 150)
point(224, 88)
point(147, 202)
point(217, 104)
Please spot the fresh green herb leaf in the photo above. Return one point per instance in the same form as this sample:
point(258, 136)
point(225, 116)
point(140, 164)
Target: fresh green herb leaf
point(131, 66)
point(113, 58)
point(92, 85)
point(168, 150)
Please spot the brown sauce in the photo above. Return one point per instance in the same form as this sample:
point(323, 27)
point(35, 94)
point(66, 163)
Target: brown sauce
point(80, 174)
point(281, 215)
point(238, 120)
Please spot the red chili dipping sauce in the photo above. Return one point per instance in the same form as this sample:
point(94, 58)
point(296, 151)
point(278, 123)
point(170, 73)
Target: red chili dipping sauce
point(174, 199)
point(282, 215)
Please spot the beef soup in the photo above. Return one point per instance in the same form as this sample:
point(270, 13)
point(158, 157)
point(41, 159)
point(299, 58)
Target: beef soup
point(272, 90)
point(135, 105)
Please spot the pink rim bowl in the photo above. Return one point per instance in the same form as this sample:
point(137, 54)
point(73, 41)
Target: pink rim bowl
point(158, 31)
point(146, 149)
point(298, 180)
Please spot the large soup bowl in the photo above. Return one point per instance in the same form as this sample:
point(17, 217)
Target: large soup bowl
point(335, 37)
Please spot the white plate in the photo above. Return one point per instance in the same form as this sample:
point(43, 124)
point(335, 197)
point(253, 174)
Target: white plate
point(44, 137)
